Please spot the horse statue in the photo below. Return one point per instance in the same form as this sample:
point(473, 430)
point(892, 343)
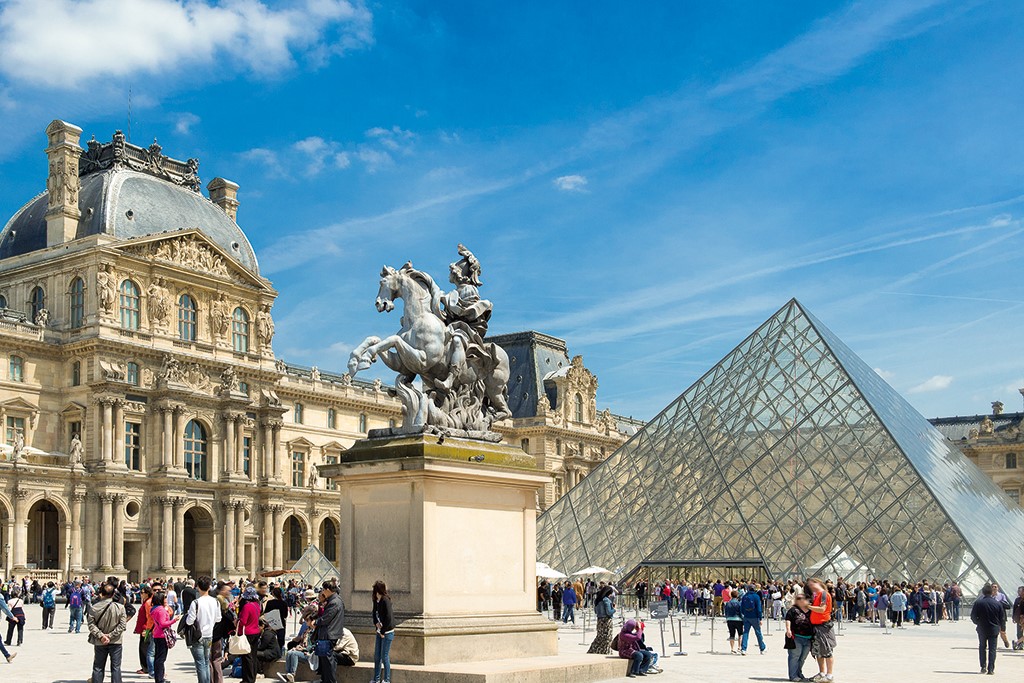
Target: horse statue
point(463, 379)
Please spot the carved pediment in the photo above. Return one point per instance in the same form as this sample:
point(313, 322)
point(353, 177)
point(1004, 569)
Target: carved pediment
point(191, 249)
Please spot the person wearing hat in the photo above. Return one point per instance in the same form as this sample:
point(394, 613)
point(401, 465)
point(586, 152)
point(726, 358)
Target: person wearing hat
point(330, 627)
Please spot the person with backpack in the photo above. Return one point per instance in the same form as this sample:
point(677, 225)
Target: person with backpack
point(107, 621)
point(752, 610)
point(76, 601)
point(49, 601)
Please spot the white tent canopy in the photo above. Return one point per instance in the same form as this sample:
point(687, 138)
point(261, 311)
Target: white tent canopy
point(546, 572)
point(591, 571)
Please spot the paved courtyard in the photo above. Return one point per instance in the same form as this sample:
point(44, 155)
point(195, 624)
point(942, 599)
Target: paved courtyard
point(945, 653)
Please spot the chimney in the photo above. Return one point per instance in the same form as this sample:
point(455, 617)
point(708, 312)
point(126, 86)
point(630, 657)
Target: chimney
point(224, 194)
point(62, 184)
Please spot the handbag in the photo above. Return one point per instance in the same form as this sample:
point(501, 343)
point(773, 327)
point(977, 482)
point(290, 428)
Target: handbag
point(171, 637)
point(238, 644)
point(789, 643)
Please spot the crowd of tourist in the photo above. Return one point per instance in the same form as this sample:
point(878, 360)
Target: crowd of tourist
point(231, 629)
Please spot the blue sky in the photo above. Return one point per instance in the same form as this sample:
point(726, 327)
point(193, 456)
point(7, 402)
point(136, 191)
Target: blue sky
point(649, 181)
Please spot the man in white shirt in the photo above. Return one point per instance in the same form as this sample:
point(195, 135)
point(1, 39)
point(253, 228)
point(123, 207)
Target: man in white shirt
point(204, 611)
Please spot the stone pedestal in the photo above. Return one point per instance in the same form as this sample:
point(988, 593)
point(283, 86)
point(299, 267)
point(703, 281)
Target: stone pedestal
point(450, 526)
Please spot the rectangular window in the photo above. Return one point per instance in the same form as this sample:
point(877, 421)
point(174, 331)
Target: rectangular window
point(331, 460)
point(1014, 495)
point(74, 428)
point(244, 387)
point(298, 468)
point(246, 454)
point(133, 374)
point(132, 444)
point(331, 418)
point(297, 413)
point(17, 369)
point(15, 426)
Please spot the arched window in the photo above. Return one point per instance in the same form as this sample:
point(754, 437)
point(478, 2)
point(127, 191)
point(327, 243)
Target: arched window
point(329, 541)
point(332, 418)
point(1011, 461)
point(294, 539)
point(133, 374)
point(76, 373)
point(77, 303)
point(37, 302)
point(578, 408)
point(3, 301)
point(129, 305)
point(187, 317)
point(17, 369)
point(525, 443)
point(240, 330)
point(362, 422)
point(195, 450)
point(298, 413)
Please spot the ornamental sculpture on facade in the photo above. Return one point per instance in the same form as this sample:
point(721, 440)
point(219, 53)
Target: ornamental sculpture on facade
point(463, 377)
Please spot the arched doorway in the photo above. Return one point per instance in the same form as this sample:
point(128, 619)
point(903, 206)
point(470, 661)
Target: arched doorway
point(43, 550)
point(294, 540)
point(329, 539)
point(199, 555)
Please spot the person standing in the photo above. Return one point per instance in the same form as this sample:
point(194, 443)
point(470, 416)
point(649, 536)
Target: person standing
point(999, 596)
point(556, 601)
point(1018, 618)
point(330, 626)
point(898, 605)
point(384, 623)
point(734, 621)
point(882, 605)
point(824, 643)
point(799, 634)
point(144, 629)
point(604, 610)
point(989, 619)
point(752, 610)
point(107, 621)
point(76, 600)
point(275, 613)
point(17, 607)
point(249, 626)
point(163, 620)
point(955, 595)
point(49, 601)
point(188, 594)
point(569, 601)
point(224, 628)
point(203, 610)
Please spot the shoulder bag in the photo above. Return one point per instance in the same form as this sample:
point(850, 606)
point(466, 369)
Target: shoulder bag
point(238, 644)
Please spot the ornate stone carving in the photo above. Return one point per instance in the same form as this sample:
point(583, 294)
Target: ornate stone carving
point(463, 378)
point(264, 326)
point(158, 303)
point(220, 315)
point(18, 449)
point(346, 380)
point(75, 454)
point(121, 154)
point(170, 370)
point(228, 380)
point(107, 287)
point(986, 428)
point(280, 366)
point(62, 183)
point(114, 371)
point(314, 373)
point(188, 251)
point(42, 317)
point(269, 398)
point(196, 378)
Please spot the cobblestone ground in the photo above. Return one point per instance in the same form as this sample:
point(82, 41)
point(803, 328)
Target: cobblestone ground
point(946, 653)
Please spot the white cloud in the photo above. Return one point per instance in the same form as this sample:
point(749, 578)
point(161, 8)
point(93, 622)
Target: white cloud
point(184, 122)
point(395, 139)
point(71, 43)
point(884, 374)
point(571, 183)
point(374, 159)
point(936, 383)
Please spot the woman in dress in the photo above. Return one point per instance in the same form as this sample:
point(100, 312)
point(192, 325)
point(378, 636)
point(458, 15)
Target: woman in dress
point(384, 622)
point(604, 610)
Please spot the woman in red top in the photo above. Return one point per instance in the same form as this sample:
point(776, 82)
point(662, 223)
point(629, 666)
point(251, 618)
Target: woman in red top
point(144, 628)
point(162, 622)
point(249, 626)
point(824, 642)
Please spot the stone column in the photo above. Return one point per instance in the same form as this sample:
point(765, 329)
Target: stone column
point(268, 537)
point(76, 531)
point(230, 420)
point(239, 448)
point(277, 450)
point(240, 537)
point(19, 544)
point(168, 437)
point(167, 535)
point(179, 535)
point(278, 537)
point(118, 539)
point(268, 451)
point(117, 457)
point(106, 501)
point(106, 429)
point(179, 437)
point(229, 537)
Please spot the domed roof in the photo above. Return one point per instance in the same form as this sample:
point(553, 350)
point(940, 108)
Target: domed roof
point(129, 204)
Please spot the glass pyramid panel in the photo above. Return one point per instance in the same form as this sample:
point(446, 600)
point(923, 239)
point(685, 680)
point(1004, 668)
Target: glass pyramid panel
point(792, 452)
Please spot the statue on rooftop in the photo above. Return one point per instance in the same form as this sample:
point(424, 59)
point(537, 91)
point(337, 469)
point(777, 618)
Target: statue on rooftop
point(463, 378)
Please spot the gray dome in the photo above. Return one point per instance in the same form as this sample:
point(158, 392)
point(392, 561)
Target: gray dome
point(127, 204)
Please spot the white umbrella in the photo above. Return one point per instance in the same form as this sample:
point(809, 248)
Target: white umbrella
point(589, 571)
point(546, 572)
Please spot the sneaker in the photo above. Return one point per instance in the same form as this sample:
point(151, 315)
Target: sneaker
point(762, 651)
point(743, 652)
point(10, 657)
point(984, 671)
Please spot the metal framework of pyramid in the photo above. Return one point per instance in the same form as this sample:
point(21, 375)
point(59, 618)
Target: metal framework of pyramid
point(794, 454)
point(314, 567)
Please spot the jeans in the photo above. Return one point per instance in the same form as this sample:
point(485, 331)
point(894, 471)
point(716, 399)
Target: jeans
point(568, 612)
point(328, 665)
point(797, 656)
point(3, 650)
point(642, 660)
point(75, 624)
point(292, 659)
point(159, 659)
point(150, 654)
point(382, 656)
point(99, 662)
point(201, 655)
point(752, 624)
point(48, 617)
point(991, 642)
point(956, 610)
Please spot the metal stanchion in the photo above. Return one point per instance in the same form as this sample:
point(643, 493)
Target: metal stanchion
point(681, 653)
point(675, 639)
point(712, 635)
point(695, 631)
point(585, 616)
point(661, 622)
point(839, 625)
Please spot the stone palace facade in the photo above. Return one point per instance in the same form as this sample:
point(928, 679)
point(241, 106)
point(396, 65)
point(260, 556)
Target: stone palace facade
point(148, 427)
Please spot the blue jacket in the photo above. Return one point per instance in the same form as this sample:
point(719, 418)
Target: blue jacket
point(732, 610)
point(751, 606)
point(4, 608)
point(569, 596)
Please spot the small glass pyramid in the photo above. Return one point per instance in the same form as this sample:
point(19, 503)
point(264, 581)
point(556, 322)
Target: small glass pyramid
point(793, 454)
point(314, 568)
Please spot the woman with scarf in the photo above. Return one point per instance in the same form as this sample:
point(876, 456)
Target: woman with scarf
point(604, 610)
point(630, 646)
point(249, 626)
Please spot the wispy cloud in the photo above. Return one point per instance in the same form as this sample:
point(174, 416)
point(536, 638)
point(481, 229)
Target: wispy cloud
point(571, 183)
point(183, 123)
point(87, 41)
point(934, 383)
point(884, 374)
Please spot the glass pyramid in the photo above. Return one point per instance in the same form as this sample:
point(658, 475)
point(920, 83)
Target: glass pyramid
point(792, 453)
point(314, 568)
